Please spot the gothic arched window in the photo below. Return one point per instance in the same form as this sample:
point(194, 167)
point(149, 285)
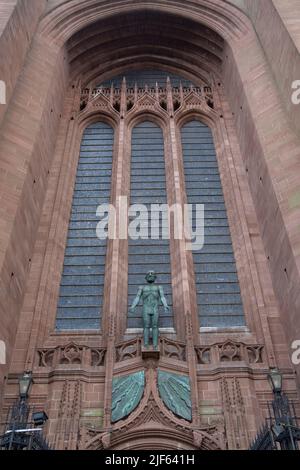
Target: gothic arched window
point(81, 290)
point(217, 287)
point(218, 292)
point(148, 186)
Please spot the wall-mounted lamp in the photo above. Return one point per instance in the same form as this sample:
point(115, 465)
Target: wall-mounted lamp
point(275, 379)
point(24, 383)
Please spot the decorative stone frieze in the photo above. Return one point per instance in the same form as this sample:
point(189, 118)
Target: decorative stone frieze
point(71, 354)
point(230, 351)
point(132, 349)
point(139, 99)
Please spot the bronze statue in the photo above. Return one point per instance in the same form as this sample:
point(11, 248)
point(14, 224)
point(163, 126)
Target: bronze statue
point(152, 296)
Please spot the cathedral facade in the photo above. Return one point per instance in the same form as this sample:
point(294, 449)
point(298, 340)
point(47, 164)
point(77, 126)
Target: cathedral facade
point(149, 103)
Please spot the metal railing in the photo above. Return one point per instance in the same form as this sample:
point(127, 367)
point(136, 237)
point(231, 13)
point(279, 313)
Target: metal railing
point(281, 429)
point(20, 430)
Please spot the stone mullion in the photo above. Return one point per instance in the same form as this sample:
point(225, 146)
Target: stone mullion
point(186, 321)
point(115, 247)
point(122, 293)
point(183, 297)
point(110, 304)
point(114, 273)
point(114, 282)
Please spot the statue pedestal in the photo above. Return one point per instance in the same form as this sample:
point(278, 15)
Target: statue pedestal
point(150, 352)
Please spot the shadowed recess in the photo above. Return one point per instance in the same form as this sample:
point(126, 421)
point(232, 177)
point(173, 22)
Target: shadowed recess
point(135, 41)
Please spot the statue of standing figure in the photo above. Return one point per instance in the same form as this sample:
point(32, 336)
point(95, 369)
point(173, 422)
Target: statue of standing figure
point(152, 296)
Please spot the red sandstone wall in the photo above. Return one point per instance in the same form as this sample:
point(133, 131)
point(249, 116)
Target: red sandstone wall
point(6, 9)
point(288, 11)
point(281, 44)
point(27, 140)
point(270, 149)
point(18, 23)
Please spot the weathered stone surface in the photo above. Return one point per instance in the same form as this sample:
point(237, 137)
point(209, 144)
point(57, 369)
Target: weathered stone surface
point(248, 51)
